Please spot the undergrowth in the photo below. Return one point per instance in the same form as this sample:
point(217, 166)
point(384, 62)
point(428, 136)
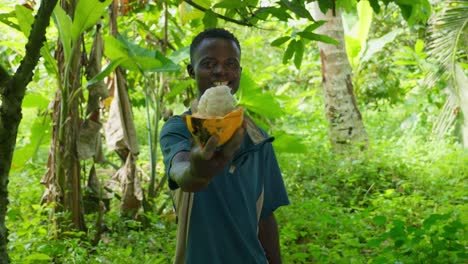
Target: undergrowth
point(401, 201)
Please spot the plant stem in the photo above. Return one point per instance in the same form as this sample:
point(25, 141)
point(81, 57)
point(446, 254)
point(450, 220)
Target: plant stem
point(150, 140)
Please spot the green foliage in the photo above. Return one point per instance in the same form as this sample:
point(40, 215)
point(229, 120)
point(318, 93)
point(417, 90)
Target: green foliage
point(448, 38)
point(25, 19)
point(402, 201)
point(136, 58)
point(437, 240)
point(390, 53)
point(87, 13)
point(357, 28)
point(63, 23)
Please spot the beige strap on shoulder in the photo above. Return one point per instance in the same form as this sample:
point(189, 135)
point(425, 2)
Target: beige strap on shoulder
point(260, 206)
point(183, 203)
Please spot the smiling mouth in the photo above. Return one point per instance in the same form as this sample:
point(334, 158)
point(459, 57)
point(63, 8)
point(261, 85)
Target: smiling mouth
point(221, 83)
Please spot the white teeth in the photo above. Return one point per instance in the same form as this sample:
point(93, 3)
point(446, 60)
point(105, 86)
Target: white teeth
point(220, 83)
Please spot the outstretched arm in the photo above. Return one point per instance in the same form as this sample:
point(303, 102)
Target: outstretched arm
point(269, 237)
point(193, 170)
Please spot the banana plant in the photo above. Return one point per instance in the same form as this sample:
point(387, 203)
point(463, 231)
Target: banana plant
point(63, 180)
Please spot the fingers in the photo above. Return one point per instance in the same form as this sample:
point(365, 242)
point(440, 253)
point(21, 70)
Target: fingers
point(210, 147)
point(234, 143)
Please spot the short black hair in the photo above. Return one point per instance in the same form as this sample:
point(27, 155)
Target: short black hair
point(212, 33)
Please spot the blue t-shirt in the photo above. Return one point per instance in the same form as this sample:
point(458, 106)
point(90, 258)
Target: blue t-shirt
point(223, 222)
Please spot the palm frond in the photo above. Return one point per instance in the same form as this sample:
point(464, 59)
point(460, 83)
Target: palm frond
point(448, 35)
point(448, 41)
point(446, 119)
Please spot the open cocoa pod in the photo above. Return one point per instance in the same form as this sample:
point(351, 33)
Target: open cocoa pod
point(202, 128)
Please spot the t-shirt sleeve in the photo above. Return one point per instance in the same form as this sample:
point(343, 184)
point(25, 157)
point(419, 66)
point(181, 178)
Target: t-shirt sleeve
point(275, 194)
point(174, 138)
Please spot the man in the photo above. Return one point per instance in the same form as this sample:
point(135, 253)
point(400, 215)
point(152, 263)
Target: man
point(225, 196)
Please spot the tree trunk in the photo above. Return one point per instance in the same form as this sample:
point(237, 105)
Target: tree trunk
point(346, 128)
point(12, 90)
point(68, 163)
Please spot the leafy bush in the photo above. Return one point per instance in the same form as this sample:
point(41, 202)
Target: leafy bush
point(401, 201)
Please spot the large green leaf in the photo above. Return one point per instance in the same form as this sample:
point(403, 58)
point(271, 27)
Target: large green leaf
point(40, 136)
point(375, 45)
point(357, 30)
point(203, 3)
point(63, 23)
point(179, 88)
point(318, 37)
point(280, 13)
point(146, 57)
point(188, 13)
point(50, 63)
point(25, 19)
point(297, 7)
point(87, 14)
point(353, 48)
point(229, 4)
point(414, 11)
point(180, 54)
point(37, 257)
point(299, 54)
point(365, 20)
point(324, 5)
point(346, 5)
point(210, 20)
point(314, 26)
point(289, 51)
point(375, 5)
point(106, 71)
point(247, 84)
point(255, 100)
point(35, 100)
point(114, 49)
point(136, 58)
point(279, 41)
point(263, 104)
point(288, 143)
point(5, 19)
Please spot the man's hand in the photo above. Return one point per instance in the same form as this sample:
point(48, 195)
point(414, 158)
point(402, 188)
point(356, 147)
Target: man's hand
point(269, 237)
point(193, 170)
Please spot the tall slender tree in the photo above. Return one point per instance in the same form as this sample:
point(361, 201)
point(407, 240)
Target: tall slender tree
point(12, 91)
point(346, 127)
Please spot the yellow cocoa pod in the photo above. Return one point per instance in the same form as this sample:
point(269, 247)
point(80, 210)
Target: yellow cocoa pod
point(202, 128)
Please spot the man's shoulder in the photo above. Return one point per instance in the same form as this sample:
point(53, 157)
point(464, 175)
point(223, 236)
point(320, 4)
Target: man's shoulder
point(174, 123)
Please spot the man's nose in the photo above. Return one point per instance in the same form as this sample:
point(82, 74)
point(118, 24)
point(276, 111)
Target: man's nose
point(219, 69)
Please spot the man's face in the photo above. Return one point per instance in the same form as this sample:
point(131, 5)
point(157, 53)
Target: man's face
point(216, 61)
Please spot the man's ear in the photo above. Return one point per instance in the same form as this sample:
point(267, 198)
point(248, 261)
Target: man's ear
point(190, 71)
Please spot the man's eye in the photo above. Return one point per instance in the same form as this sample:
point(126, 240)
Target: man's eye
point(208, 64)
point(232, 65)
